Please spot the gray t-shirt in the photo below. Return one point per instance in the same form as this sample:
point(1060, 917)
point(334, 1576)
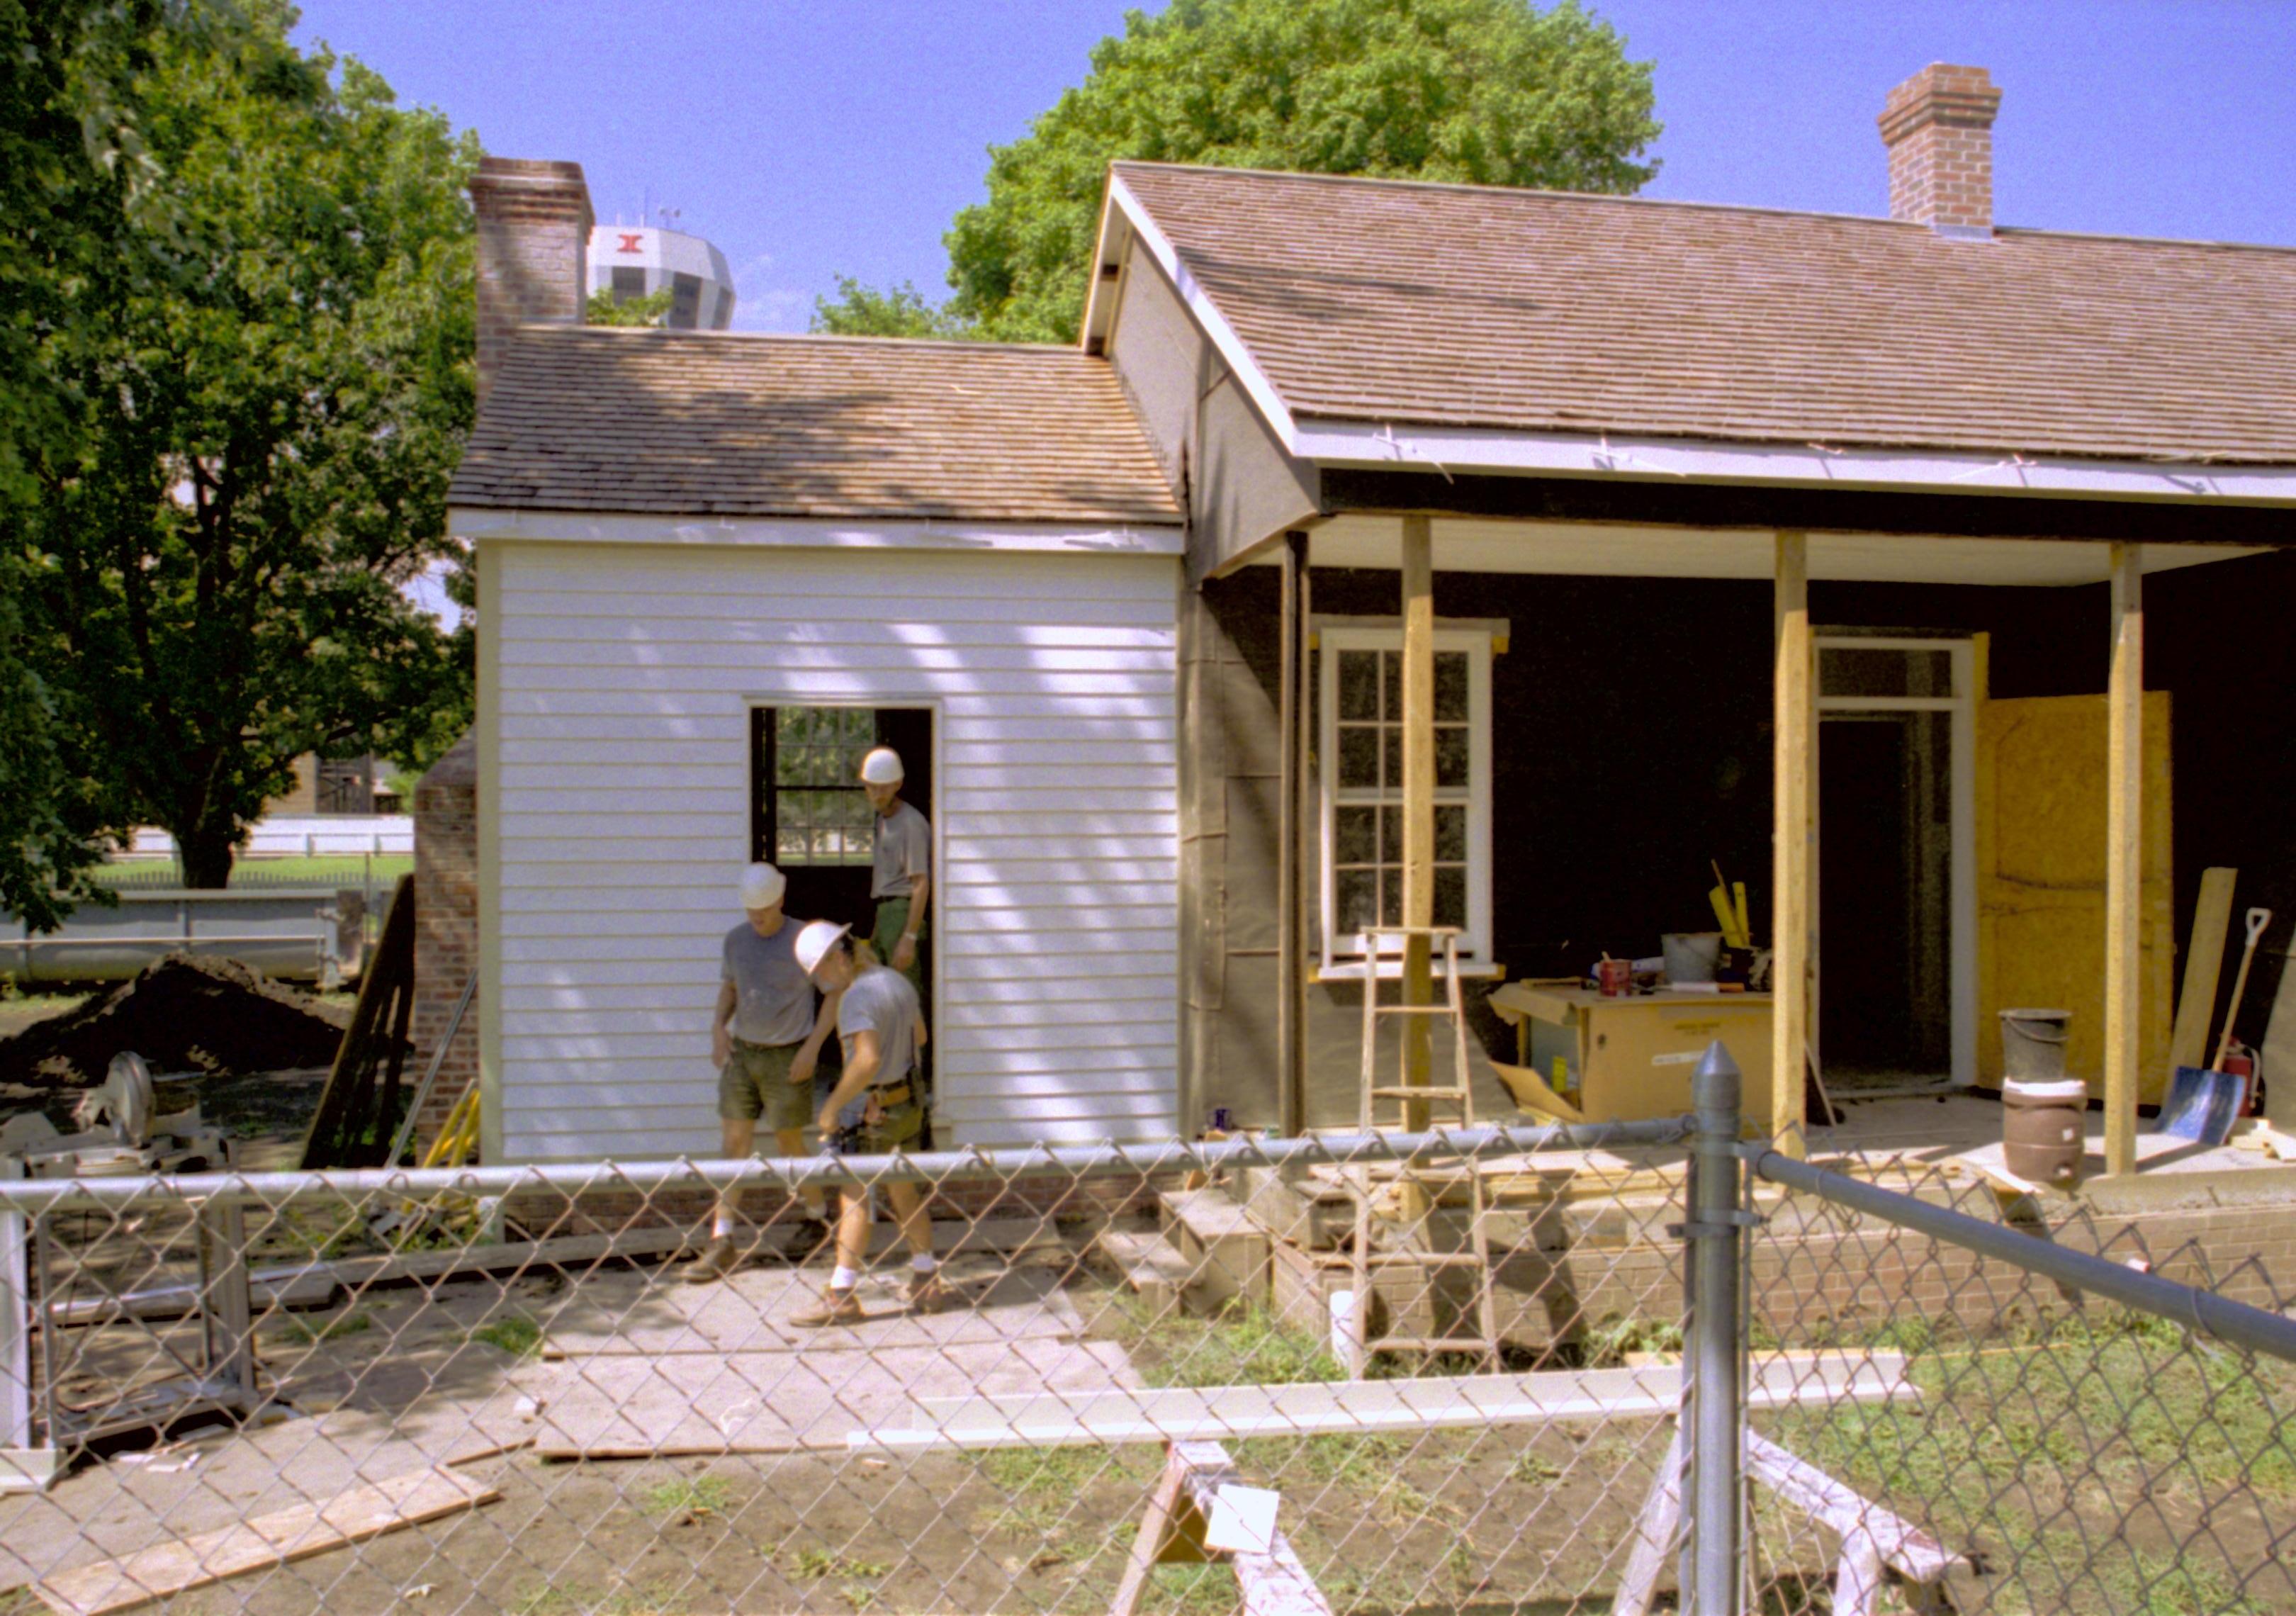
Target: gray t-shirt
point(904, 852)
point(880, 1000)
point(773, 999)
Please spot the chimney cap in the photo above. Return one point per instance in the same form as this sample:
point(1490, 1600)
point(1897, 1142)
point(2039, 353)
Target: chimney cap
point(1942, 92)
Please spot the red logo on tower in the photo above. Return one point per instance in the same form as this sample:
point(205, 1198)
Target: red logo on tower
point(630, 239)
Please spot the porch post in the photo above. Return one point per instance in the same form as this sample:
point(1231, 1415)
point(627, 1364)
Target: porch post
point(1290, 927)
point(1418, 574)
point(2124, 870)
point(1793, 969)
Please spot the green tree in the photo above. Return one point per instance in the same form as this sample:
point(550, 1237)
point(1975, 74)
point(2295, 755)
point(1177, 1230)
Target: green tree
point(863, 311)
point(651, 309)
point(1490, 92)
point(264, 418)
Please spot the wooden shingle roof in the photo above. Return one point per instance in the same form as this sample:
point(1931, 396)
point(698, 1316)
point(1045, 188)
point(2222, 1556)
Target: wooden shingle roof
point(1544, 311)
point(588, 418)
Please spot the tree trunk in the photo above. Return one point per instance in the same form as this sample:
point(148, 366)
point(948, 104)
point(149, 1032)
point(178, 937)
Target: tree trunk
point(204, 854)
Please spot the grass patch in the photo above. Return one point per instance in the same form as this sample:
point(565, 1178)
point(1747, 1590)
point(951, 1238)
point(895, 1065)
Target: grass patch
point(689, 1498)
point(1243, 1344)
point(1197, 1588)
point(821, 1564)
point(514, 1334)
point(1606, 1344)
point(310, 1332)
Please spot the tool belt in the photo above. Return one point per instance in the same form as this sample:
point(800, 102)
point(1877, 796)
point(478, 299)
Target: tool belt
point(899, 1094)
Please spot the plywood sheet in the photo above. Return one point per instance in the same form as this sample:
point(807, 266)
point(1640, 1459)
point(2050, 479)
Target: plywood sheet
point(361, 1513)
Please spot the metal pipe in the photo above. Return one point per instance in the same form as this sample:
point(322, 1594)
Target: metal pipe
point(1716, 1489)
point(792, 1172)
point(2204, 1311)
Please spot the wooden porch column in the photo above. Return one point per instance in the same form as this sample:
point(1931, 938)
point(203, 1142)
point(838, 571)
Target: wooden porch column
point(1793, 969)
point(1291, 920)
point(1418, 577)
point(2123, 860)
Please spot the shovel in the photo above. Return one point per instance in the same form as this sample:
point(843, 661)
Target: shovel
point(2258, 919)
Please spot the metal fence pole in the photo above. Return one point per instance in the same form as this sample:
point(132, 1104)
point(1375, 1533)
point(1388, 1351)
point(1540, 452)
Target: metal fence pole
point(1712, 1350)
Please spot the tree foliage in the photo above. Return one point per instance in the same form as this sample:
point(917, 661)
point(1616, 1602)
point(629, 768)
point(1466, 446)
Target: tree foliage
point(863, 311)
point(603, 308)
point(263, 407)
point(1490, 92)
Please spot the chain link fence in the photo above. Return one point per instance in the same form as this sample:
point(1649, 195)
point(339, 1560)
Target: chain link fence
point(1144, 1378)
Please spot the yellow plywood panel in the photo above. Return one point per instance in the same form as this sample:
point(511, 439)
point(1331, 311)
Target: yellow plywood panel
point(2041, 833)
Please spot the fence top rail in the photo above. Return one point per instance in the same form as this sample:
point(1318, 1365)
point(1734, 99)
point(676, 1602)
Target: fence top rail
point(1108, 1159)
point(2202, 1311)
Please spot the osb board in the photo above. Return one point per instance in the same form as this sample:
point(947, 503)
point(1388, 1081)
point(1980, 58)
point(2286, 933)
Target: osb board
point(780, 1402)
point(2040, 884)
point(748, 1311)
point(350, 1517)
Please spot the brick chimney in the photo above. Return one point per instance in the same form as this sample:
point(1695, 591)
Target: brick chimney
point(534, 230)
point(1939, 128)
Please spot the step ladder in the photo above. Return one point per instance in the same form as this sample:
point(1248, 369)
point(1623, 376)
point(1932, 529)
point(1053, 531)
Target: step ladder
point(1412, 1247)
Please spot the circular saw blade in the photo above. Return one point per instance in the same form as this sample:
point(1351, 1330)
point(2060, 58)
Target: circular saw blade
point(127, 1098)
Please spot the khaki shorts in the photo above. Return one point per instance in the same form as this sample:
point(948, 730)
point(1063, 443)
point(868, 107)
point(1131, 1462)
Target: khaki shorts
point(755, 1086)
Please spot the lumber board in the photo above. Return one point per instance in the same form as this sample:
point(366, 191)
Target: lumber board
point(1056, 1418)
point(1906, 1548)
point(2124, 859)
point(1417, 577)
point(1794, 802)
point(2196, 1001)
point(362, 1512)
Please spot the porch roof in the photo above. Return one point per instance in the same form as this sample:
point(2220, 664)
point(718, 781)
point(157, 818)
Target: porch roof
point(1510, 310)
point(601, 419)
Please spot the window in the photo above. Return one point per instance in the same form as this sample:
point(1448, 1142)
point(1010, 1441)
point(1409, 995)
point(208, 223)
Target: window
point(816, 812)
point(1360, 762)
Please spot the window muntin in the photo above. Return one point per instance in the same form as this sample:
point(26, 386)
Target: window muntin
point(820, 814)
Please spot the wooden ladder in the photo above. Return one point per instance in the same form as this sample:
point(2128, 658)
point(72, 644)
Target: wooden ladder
point(1414, 1248)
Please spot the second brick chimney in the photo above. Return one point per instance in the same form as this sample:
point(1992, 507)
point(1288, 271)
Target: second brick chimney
point(1939, 128)
point(533, 234)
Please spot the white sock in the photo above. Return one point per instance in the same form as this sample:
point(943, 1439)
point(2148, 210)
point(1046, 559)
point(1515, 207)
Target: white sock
point(722, 1227)
point(842, 1278)
point(923, 1262)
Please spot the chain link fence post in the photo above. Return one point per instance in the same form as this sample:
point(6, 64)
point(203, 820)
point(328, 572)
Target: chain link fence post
point(1713, 1349)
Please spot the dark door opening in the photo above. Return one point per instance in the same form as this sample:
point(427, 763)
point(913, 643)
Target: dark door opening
point(1885, 1009)
point(807, 813)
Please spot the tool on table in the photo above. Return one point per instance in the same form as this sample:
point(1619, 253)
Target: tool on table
point(1729, 912)
point(2258, 919)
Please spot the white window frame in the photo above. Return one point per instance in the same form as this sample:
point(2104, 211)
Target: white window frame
point(1344, 953)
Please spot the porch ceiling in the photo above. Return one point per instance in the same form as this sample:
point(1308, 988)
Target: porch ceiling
point(1617, 550)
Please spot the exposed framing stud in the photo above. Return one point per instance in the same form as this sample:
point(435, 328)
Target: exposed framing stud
point(2124, 868)
point(1418, 584)
point(1793, 970)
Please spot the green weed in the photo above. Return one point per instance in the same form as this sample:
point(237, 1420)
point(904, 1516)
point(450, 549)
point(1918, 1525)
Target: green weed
point(688, 1497)
point(514, 1332)
point(819, 1565)
point(306, 1332)
point(549, 1599)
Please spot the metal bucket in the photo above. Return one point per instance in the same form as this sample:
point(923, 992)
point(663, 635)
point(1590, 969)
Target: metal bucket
point(1691, 955)
point(2033, 1044)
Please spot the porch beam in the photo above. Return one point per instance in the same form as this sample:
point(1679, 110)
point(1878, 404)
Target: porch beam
point(1291, 920)
point(1418, 581)
point(2124, 870)
point(1794, 968)
point(1673, 502)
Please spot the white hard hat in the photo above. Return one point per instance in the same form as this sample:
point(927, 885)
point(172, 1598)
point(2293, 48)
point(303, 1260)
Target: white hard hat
point(762, 886)
point(882, 767)
point(817, 941)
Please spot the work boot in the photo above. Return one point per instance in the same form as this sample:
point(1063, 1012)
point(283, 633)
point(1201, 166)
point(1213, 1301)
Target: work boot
point(717, 1260)
point(928, 1293)
point(837, 1308)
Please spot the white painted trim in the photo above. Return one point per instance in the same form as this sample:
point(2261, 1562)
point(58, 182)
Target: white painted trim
point(1962, 744)
point(1455, 449)
point(611, 527)
point(1232, 348)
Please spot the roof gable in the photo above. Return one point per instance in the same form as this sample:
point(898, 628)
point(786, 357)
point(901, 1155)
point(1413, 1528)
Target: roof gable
point(591, 418)
point(1390, 301)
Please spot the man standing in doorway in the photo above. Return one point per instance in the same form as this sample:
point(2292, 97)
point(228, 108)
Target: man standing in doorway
point(902, 882)
point(876, 1107)
point(765, 1039)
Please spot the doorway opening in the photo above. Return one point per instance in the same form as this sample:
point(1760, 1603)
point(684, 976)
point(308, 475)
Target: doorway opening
point(1896, 882)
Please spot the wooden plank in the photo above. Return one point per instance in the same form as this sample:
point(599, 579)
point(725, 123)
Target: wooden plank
point(1906, 1548)
point(1418, 585)
point(1656, 1529)
point(351, 1517)
point(1090, 1417)
point(1793, 970)
point(2196, 1002)
point(2124, 858)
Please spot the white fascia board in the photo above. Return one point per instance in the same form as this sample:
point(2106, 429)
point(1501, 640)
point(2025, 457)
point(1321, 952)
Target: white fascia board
point(1455, 449)
point(1232, 349)
point(609, 527)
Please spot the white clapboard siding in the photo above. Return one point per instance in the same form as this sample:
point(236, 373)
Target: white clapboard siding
point(625, 676)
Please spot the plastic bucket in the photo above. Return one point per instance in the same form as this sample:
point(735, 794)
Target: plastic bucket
point(1691, 955)
point(2033, 1043)
point(2041, 1129)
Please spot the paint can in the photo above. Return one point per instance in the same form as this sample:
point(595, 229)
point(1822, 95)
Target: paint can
point(1615, 977)
point(2042, 1124)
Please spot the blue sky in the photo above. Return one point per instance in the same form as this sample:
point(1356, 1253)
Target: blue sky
point(812, 139)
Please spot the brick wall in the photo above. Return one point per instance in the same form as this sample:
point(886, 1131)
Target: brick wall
point(1939, 128)
point(447, 924)
point(534, 228)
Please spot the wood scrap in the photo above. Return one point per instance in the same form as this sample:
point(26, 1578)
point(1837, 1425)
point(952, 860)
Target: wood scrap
point(363, 1511)
point(2196, 1002)
point(358, 1108)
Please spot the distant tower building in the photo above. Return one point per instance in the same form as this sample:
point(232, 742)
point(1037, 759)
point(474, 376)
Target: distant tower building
point(633, 262)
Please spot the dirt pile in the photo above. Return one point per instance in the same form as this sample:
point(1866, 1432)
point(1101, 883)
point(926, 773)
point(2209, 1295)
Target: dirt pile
point(180, 1014)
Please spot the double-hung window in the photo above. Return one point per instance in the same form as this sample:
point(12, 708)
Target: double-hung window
point(1359, 750)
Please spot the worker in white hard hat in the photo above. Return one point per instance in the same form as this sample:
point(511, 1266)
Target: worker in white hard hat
point(876, 1107)
point(901, 882)
point(764, 1038)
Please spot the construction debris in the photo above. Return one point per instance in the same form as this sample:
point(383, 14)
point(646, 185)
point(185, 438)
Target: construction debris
point(180, 1014)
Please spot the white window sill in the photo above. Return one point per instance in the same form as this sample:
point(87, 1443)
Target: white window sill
point(1392, 970)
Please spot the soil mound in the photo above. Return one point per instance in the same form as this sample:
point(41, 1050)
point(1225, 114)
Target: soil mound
point(180, 1014)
